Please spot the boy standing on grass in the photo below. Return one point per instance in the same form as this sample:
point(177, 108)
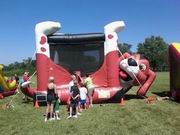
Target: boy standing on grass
point(74, 93)
point(83, 95)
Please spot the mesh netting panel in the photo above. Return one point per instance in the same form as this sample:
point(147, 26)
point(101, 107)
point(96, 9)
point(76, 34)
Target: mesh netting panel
point(83, 57)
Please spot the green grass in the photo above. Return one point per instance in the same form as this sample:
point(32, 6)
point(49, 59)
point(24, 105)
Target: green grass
point(136, 117)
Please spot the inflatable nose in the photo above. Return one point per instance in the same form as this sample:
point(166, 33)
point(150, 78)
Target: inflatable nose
point(124, 64)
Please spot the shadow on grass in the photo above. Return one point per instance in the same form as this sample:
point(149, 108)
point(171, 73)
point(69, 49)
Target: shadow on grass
point(166, 94)
point(132, 96)
point(27, 101)
point(162, 93)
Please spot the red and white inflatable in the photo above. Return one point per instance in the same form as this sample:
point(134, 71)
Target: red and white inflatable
point(59, 55)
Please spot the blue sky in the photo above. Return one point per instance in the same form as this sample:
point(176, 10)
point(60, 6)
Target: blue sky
point(143, 18)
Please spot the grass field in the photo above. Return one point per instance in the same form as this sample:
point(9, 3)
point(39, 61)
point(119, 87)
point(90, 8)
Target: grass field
point(136, 117)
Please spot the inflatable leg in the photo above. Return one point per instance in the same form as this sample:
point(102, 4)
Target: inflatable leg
point(144, 88)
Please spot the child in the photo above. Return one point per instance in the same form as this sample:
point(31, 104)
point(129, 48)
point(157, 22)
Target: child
point(90, 87)
point(25, 78)
point(51, 91)
point(57, 107)
point(74, 99)
point(83, 95)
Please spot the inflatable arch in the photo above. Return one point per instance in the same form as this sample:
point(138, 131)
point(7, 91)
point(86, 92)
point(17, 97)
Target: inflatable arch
point(59, 55)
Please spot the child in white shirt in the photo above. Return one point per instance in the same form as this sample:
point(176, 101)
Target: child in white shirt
point(83, 95)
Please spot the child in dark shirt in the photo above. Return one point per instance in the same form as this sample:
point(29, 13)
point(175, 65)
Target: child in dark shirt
point(74, 99)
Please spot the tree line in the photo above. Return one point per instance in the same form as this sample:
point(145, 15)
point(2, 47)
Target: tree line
point(20, 67)
point(154, 48)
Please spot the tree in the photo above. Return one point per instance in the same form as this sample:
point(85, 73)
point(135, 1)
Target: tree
point(124, 47)
point(155, 48)
point(20, 67)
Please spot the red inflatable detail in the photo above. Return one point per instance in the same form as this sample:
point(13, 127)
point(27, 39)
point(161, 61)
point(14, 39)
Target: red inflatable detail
point(46, 67)
point(113, 69)
point(146, 83)
point(9, 93)
point(43, 40)
point(99, 77)
point(63, 77)
point(43, 49)
point(42, 68)
point(110, 36)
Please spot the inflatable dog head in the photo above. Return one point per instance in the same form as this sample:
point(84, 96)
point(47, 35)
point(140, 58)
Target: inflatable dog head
point(135, 70)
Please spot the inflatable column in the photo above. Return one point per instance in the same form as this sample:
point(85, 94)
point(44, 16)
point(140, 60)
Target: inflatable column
point(42, 30)
point(111, 52)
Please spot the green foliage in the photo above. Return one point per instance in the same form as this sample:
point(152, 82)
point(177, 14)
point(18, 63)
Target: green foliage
point(155, 48)
point(124, 47)
point(19, 67)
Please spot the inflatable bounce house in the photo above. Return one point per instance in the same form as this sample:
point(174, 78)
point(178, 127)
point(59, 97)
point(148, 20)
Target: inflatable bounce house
point(174, 62)
point(7, 87)
point(59, 55)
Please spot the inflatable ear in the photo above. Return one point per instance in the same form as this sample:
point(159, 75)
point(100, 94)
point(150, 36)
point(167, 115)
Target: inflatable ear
point(142, 67)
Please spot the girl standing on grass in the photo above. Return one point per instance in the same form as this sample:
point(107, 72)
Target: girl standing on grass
point(90, 87)
point(51, 90)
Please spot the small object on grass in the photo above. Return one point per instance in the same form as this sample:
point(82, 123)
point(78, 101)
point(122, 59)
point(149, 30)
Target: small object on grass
point(152, 99)
point(7, 106)
point(162, 98)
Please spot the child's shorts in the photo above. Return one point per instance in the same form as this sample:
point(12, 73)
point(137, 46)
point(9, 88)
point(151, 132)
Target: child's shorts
point(56, 111)
point(74, 104)
point(82, 101)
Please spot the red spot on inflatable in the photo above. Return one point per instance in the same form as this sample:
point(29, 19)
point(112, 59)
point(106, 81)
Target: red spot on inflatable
point(43, 49)
point(110, 36)
point(43, 40)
